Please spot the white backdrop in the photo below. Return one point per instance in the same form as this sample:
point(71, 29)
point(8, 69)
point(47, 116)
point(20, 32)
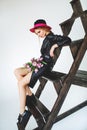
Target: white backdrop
point(18, 46)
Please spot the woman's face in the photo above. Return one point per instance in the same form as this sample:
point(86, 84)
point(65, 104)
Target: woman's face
point(40, 32)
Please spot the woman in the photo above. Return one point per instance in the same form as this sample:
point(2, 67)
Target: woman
point(26, 76)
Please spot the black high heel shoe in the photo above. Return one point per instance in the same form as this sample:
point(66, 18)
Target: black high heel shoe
point(23, 120)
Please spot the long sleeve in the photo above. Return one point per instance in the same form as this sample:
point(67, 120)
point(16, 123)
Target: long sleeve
point(61, 40)
point(49, 41)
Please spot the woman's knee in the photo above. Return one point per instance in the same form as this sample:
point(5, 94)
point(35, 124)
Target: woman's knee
point(16, 72)
point(21, 83)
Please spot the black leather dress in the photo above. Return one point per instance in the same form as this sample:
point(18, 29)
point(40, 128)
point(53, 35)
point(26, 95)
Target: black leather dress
point(48, 42)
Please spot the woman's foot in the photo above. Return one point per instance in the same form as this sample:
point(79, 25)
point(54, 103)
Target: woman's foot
point(23, 120)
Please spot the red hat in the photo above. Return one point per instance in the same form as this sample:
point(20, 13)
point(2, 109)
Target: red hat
point(39, 23)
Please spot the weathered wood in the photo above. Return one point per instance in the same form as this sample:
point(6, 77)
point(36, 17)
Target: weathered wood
point(36, 128)
point(58, 86)
point(77, 8)
point(54, 76)
point(75, 76)
point(42, 108)
point(69, 112)
point(41, 87)
point(79, 79)
point(37, 115)
point(84, 21)
point(66, 26)
point(77, 12)
point(56, 54)
point(78, 58)
point(66, 85)
point(74, 47)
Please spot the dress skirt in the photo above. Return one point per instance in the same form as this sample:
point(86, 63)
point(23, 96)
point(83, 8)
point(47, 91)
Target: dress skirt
point(36, 75)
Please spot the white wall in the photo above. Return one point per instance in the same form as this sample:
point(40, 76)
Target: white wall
point(18, 46)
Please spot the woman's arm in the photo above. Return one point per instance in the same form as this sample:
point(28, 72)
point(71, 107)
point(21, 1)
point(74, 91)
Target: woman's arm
point(52, 50)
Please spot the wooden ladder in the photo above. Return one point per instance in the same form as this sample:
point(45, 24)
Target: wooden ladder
point(62, 81)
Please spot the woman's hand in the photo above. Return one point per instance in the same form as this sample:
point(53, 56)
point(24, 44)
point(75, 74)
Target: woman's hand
point(52, 50)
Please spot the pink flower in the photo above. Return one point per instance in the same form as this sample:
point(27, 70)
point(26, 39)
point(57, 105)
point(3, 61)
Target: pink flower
point(41, 59)
point(39, 65)
point(32, 59)
point(29, 69)
point(27, 66)
point(36, 70)
point(34, 63)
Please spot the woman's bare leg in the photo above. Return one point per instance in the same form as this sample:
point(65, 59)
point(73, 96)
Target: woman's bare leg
point(23, 76)
point(21, 72)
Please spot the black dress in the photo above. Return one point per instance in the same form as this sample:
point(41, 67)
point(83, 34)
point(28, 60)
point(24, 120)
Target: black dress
point(48, 42)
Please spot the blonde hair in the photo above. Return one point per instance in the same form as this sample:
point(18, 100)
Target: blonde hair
point(45, 28)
